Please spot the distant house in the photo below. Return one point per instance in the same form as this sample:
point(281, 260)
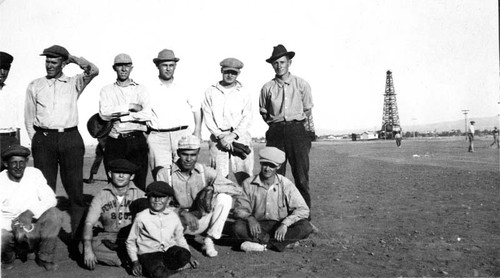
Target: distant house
point(368, 135)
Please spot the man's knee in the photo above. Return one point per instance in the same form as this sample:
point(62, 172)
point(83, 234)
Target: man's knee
point(223, 200)
point(240, 229)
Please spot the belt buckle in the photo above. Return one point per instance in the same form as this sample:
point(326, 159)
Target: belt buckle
point(60, 130)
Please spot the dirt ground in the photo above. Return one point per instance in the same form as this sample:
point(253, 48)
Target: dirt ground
point(427, 209)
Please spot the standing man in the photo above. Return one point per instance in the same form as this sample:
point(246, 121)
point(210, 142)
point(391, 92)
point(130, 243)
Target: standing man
point(227, 110)
point(51, 118)
point(285, 102)
point(113, 209)
point(495, 138)
point(397, 136)
point(127, 103)
point(9, 119)
point(470, 135)
point(271, 213)
point(175, 113)
point(188, 179)
point(28, 206)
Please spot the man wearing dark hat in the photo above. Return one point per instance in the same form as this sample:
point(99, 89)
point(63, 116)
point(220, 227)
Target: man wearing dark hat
point(111, 209)
point(188, 179)
point(156, 244)
point(30, 220)
point(285, 103)
point(271, 213)
point(9, 100)
point(128, 104)
point(227, 110)
point(470, 135)
point(176, 112)
point(51, 118)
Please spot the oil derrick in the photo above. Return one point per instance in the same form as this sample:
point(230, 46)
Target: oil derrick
point(390, 119)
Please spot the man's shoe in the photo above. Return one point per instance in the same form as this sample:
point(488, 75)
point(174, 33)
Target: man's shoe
point(249, 246)
point(293, 245)
point(49, 266)
point(209, 247)
point(7, 266)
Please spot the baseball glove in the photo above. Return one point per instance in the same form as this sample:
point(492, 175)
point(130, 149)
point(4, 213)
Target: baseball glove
point(240, 150)
point(203, 202)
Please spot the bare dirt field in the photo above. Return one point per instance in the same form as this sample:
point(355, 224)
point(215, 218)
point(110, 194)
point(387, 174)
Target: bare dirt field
point(427, 209)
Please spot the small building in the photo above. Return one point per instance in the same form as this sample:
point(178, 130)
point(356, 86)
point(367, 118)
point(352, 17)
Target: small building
point(368, 135)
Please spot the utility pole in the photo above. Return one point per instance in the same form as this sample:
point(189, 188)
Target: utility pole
point(465, 111)
point(413, 119)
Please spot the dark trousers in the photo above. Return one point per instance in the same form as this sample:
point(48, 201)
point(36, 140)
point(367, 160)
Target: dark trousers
point(297, 231)
point(292, 138)
point(44, 237)
point(135, 149)
point(66, 150)
point(163, 264)
point(99, 156)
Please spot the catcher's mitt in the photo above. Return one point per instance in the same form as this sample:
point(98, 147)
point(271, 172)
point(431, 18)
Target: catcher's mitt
point(24, 237)
point(203, 202)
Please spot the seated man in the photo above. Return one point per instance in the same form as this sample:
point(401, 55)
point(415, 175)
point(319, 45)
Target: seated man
point(30, 220)
point(271, 213)
point(156, 244)
point(187, 179)
point(113, 208)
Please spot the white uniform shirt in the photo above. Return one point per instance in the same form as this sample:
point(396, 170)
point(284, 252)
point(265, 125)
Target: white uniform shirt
point(9, 107)
point(172, 105)
point(31, 193)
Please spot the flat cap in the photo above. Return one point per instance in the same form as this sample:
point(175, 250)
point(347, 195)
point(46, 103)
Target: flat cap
point(122, 166)
point(272, 155)
point(122, 59)
point(56, 51)
point(189, 142)
point(472, 122)
point(15, 150)
point(5, 59)
point(231, 64)
point(164, 56)
point(159, 189)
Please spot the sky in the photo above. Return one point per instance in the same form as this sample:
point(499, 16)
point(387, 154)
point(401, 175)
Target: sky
point(444, 54)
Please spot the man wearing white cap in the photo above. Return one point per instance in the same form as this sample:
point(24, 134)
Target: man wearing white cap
point(176, 113)
point(189, 178)
point(271, 213)
point(227, 110)
point(127, 103)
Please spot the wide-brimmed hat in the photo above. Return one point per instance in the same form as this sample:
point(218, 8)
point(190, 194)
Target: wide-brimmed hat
point(97, 127)
point(56, 51)
point(278, 52)
point(165, 55)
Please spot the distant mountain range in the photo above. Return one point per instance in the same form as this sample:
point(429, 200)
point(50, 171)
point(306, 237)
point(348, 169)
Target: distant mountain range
point(481, 124)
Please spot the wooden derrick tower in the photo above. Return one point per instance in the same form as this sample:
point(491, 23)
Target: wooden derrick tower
point(390, 118)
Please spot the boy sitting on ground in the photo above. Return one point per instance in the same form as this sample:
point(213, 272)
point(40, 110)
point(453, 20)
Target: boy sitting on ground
point(156, 243)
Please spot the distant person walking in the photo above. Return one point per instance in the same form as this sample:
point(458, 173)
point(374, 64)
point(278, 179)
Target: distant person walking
point(285, 103)
point(397, 136)
point(470, 135)
point(495, 138)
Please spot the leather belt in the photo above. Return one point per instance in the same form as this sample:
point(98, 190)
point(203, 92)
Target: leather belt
point(9, 134)
point(55, 130)
point(130, 134)
point(182, 127)
point(288, 122)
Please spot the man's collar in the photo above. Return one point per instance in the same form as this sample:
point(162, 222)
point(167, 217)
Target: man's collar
point(286, 80)
point(112, 189)
point(257, 181)
point(166, 211)
point(62, 78)
point(197, 167)
point(131, 83)
point(221, 88)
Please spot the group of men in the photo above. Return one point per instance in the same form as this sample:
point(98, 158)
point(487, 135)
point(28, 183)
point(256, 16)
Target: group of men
point(154, 127)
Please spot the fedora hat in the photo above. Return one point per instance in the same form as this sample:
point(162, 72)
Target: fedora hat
point(97, 127)
point(165, 55)
point(278, 52)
